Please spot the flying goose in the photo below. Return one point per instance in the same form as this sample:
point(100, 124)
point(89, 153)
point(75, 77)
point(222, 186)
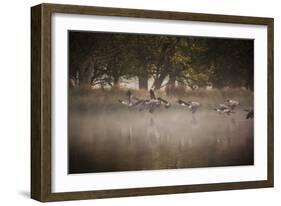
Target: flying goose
point(164, 102)
point(250, 114)
point(131, 100)
point(193, 106)
point(145, 104)
point(224, 111)
point(223, 107)
point(232, 103)
point(154, 102)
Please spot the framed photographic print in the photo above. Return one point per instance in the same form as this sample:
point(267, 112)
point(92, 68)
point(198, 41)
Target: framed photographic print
point(132, 102)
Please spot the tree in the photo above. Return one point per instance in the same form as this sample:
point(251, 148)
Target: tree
point(104, 58)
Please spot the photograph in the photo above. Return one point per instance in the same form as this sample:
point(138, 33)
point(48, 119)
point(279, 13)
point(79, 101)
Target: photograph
point(157, 101)
point(133, 102)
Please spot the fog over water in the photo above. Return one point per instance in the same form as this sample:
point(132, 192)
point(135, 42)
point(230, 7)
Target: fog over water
point(107, 136)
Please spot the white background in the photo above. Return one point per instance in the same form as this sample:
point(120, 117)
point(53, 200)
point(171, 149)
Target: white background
point(62, 182)
point(15, 102)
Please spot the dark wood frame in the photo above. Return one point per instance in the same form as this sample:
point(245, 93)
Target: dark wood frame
point(41, 101)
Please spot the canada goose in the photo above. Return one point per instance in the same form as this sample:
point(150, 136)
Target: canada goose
point(250, 114)
point(154, 102)
point(224, 111)
point(193, 106)
point(164, 102)
point(131, 100)
point(223, 106)
point(153, 97)
point(151, 105)
point(232, 103)
point(145, 104)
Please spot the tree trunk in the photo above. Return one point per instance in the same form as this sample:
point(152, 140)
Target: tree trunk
point(171, 85)
point(158, 82)
point(116, 82)
point(143, 82)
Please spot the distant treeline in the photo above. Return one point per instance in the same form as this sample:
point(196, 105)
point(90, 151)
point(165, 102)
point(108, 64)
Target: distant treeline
point(97, 58)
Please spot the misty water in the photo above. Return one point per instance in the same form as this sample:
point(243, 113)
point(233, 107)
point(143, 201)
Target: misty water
point(106, 136)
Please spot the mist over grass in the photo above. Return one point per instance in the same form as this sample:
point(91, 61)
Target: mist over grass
point(105, 135)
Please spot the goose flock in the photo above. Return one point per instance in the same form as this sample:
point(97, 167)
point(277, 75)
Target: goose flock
point(153, 103)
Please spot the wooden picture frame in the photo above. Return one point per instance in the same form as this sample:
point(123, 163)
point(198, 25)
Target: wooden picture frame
point(41, 116)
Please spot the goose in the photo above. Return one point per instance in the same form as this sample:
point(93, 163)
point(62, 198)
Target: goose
point(193, 106)
point(223, 106)
point(146, 104)
point(250, 114)
point(228, 111)
point(164, 102)
point(224, 111)
point(155, 102)
point(232, 103)
point(131, 99)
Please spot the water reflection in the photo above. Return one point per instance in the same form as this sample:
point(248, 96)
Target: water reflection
point(124, 140)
